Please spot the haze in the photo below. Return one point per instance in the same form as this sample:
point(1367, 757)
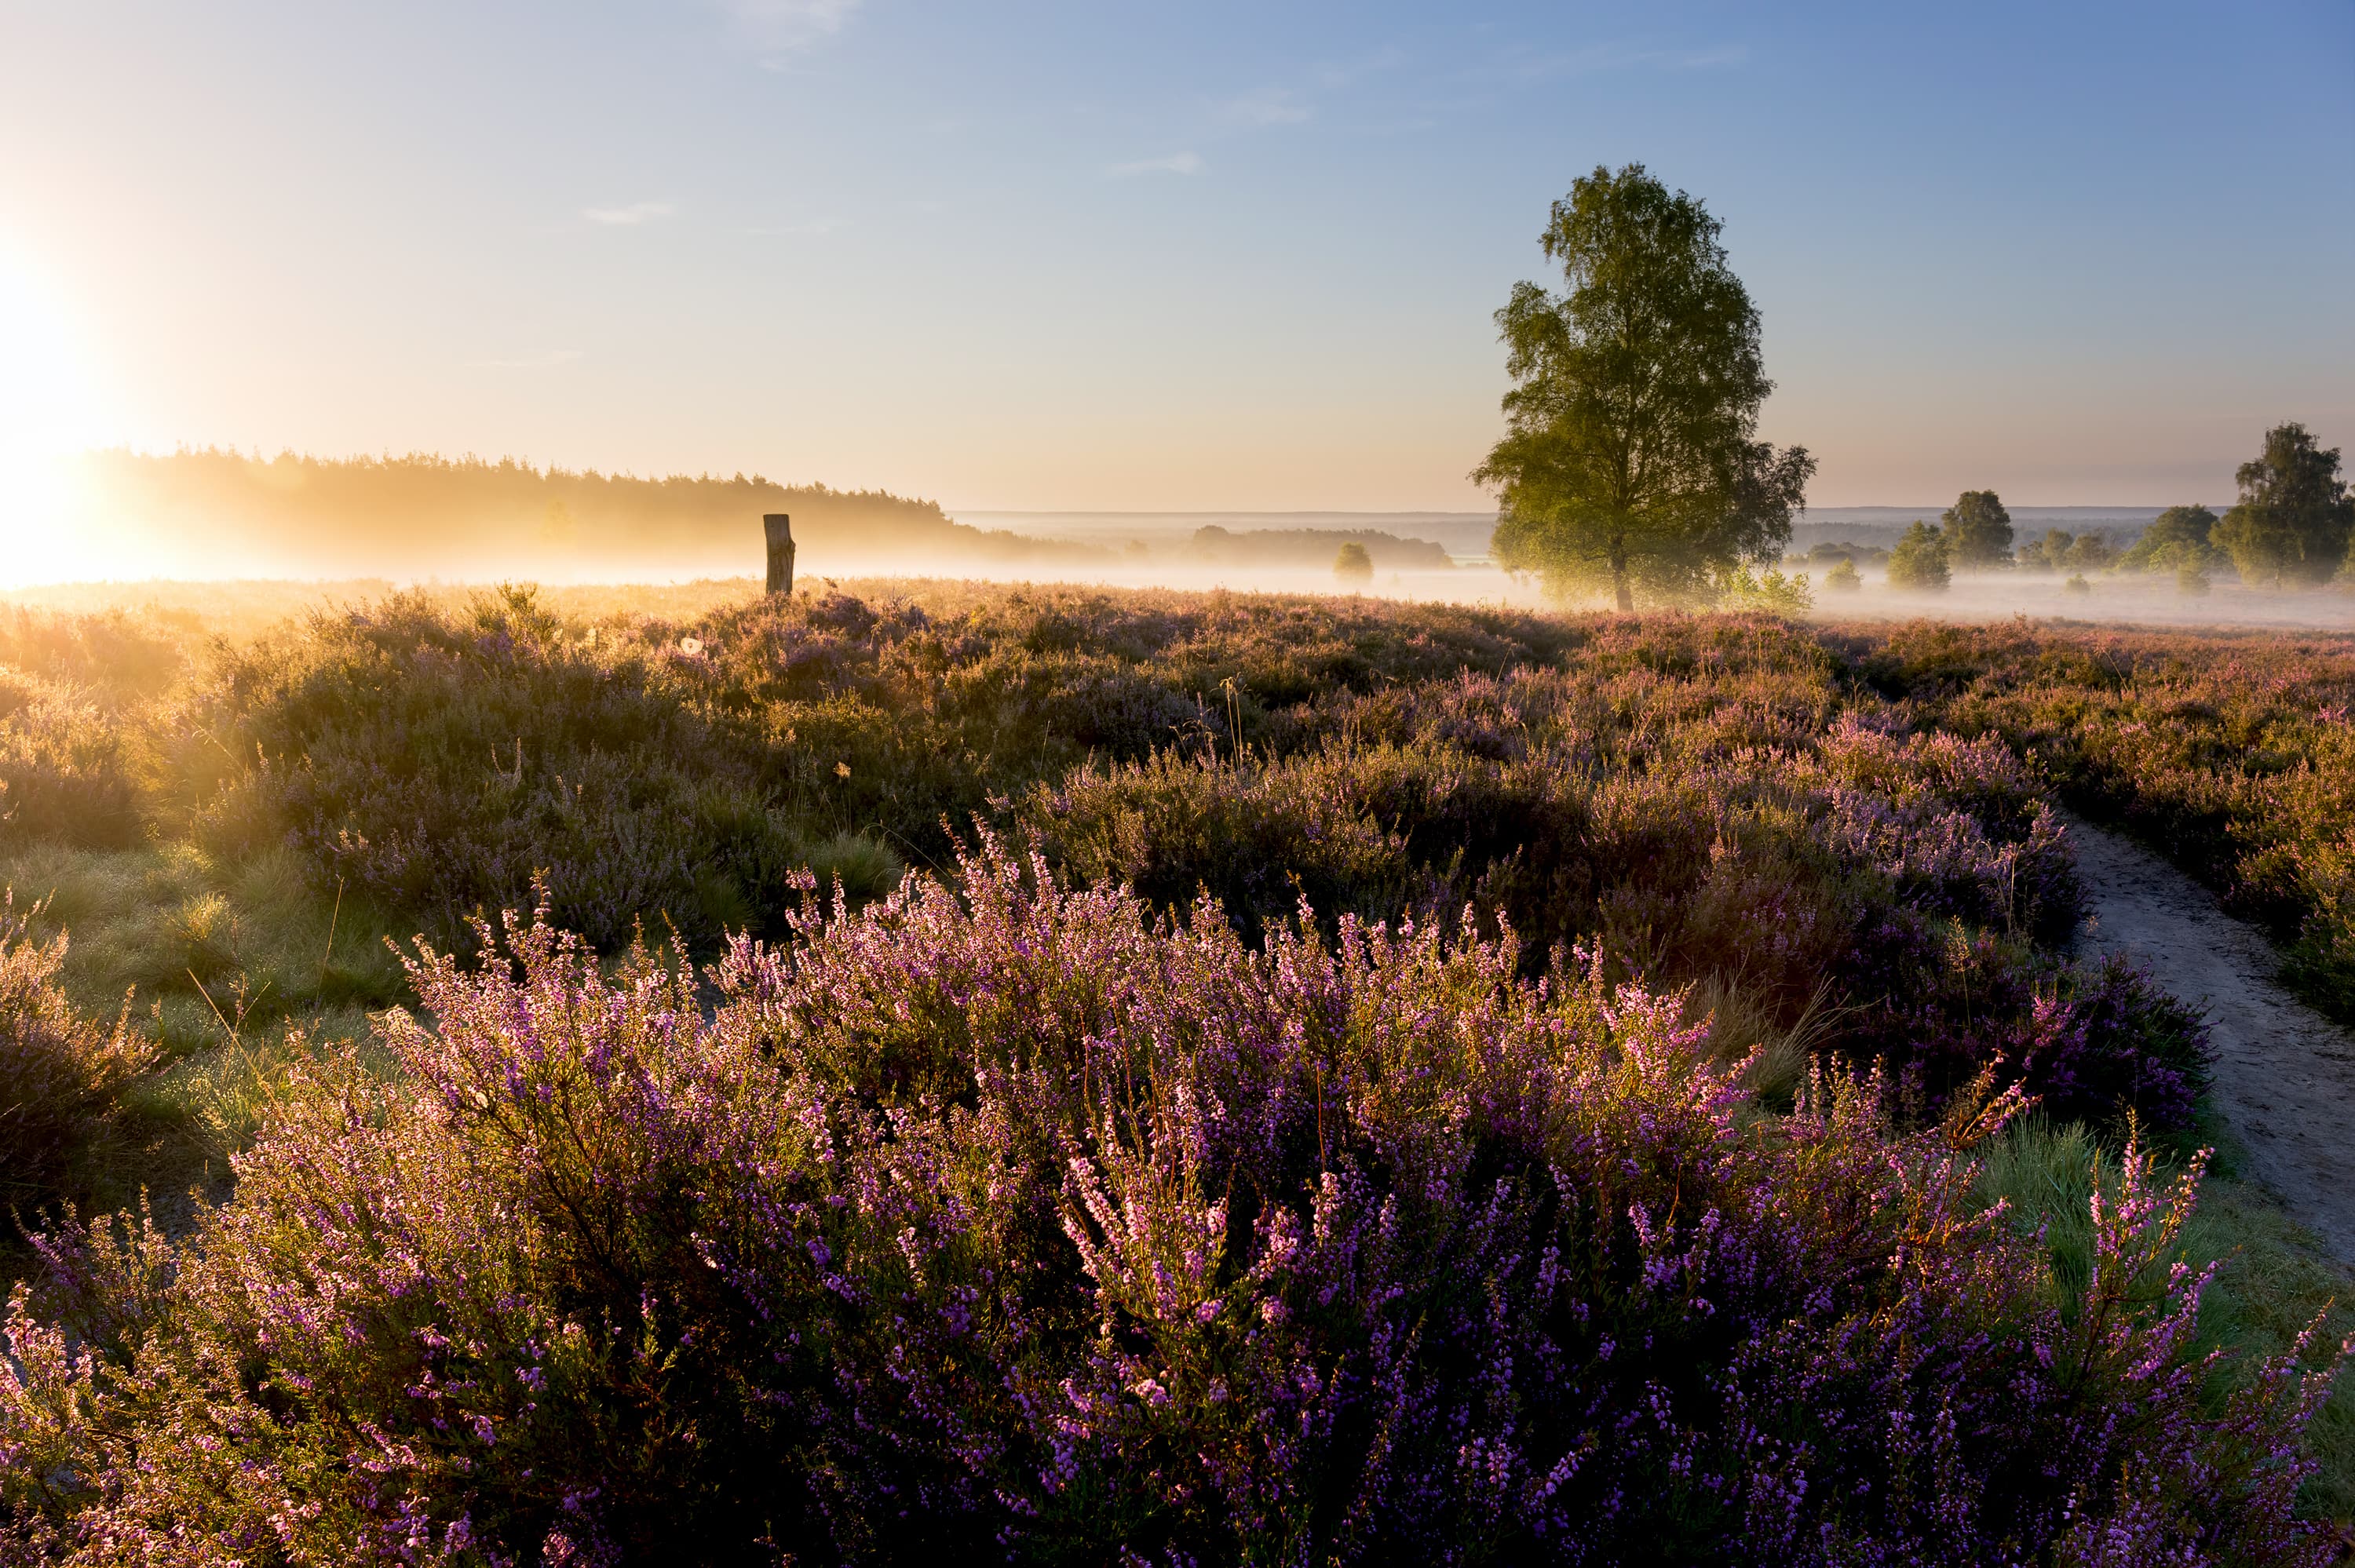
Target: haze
point(1167, 259)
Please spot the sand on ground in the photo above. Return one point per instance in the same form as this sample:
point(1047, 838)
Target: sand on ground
point(2284, 1074)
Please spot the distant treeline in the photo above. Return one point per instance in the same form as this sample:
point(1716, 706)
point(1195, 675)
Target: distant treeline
point(1315, 548)
point(210, 512)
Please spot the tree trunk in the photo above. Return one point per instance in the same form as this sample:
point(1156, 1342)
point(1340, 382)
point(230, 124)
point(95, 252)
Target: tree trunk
point(1619, 575)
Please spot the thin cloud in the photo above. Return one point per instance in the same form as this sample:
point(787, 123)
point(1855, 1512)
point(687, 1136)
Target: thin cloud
point(1175, 164)
point(624, 216)
point(777, 29)
point(1273, 106)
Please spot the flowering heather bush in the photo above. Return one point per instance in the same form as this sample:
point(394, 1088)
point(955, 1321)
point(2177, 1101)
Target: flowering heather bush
point(442, 762)
point(66, 771)
point(2107, 1039)
point(999, 1217)
point(59, 1076)
point(1700, 798)
point(1720, 825)
point(2233, 752)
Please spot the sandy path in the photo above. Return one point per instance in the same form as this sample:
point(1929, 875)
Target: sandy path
point(2284, 1074)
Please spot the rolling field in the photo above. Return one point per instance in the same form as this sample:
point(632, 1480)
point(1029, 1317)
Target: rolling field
point(1239, 1077)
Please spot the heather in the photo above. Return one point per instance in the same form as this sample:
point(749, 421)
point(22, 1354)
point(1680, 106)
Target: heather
point(1345, 1079)
point(2231, 753)
point(441, 759)
point(1701, 799)
point(61, 1075)
point(1004, 1211)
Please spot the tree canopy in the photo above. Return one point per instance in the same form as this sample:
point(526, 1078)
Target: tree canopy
point(1630, 452)
point(2176, 537)
point(1978, 530)
point(1922, 560)
point(2295, 515)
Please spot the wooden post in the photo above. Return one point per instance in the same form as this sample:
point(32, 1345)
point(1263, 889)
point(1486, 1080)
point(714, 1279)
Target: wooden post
point(780, 528)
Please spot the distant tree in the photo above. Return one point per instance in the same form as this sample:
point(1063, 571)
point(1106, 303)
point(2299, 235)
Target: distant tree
point(2089, 553)
point(1353, 564)
point(2192, 579)
point(2292, 522)
point(2045, 554)
point(1630, 452)
point(2175, 534)
point(2077, 583)
point(1978, 530)
point(1843, 577)
point(1921, 560)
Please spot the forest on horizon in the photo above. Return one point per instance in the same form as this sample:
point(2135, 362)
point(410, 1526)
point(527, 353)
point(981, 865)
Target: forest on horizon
point(211, 511)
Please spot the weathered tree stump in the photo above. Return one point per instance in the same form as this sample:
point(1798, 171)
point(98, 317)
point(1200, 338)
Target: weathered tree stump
point(780, 528)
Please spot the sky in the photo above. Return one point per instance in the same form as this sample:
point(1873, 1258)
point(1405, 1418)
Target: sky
point(1161, 257)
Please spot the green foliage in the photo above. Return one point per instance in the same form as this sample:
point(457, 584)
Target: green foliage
point(1352, 563)
point(1770, 589)
point(1978, 530)
point(1843, 577)
point(2177, 538)
point(1920, 563)
point(2294, 516)
point(1630, 454)
point(2047, 552)
point(2089, 553)
point(2271, 1283)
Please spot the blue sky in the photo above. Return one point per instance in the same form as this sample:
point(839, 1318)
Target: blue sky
point(1209, 256)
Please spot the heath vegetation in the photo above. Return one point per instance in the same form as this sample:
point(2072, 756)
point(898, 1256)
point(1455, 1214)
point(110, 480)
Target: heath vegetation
point(1213, 1077)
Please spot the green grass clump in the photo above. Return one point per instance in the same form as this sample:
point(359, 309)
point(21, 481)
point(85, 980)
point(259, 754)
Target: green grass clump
point(2272, 1281)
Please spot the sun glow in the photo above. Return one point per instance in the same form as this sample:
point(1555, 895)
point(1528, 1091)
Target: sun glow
point(46, 419)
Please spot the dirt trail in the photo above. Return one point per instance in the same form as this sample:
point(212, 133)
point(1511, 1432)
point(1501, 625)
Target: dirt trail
point(2285, 1073)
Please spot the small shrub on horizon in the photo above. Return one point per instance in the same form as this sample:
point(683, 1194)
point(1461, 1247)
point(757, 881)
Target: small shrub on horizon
point(1770, 590)
point(1922, 562)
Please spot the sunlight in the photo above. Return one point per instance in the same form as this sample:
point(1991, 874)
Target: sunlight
point(45, 418)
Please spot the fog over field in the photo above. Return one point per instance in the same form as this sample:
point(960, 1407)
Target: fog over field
point(218, 516)
point(830, 783)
